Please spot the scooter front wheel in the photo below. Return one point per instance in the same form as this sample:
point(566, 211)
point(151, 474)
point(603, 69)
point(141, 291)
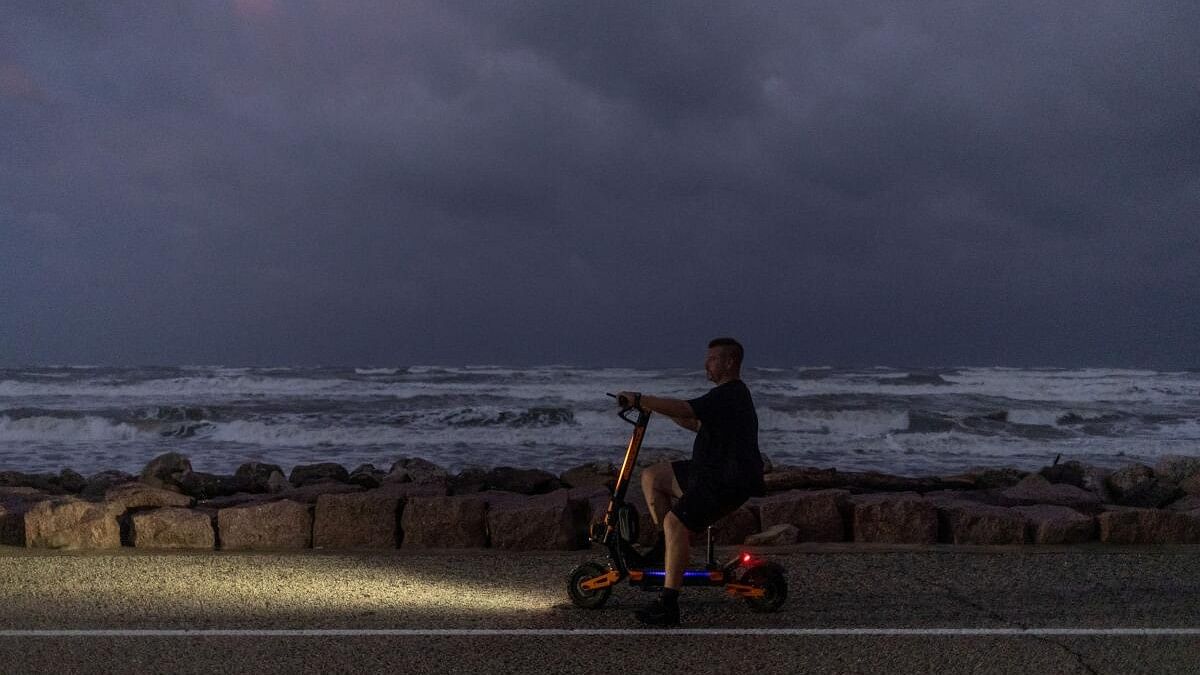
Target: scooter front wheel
point(585, 598)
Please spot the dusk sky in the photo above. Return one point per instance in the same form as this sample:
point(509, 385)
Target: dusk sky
point(600, 183)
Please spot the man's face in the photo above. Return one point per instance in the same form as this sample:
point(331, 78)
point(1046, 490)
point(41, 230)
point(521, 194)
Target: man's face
point(716, 364)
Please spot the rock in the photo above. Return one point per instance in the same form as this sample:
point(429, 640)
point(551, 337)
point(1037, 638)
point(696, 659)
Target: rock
point(1136, 485)
point(597, 474)
point(71, 481)
point(1095, 480)
point(1148, 526)
point(1070, 473)
point(541, 522)
point(1057, 525)
point(1191, 485)
point(72, 523)
point(139, 495)
point(996, 477)
point(991, 497)
point(735, 527)
point(283, 524)
point(165, 470)
point(172, 528)
point(357, 520)
point(903, 518)
point(816, 514)
point(782, 534)
point(444, 522)
point(207, 485)
point(14, 503)
point(1177, 468)
point(965, 522)
point(507, 479)
point(256, 476)
point(801, 479)
point(276, 482)
point(406, 490)
point(98, 484)
point(46, 482)
point(309, 494)
point(1036, 489)
point(415, 470)
point(367, 476)
point(1185, 504)
point(324, 472)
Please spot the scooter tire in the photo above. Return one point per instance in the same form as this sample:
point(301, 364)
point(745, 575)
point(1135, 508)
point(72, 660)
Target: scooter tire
point(771, 578)
point(587, 599)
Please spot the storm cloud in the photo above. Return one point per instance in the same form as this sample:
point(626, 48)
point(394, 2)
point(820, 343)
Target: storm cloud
point(853, 183)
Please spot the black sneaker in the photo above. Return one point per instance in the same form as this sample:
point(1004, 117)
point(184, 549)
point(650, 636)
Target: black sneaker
point(659, 613)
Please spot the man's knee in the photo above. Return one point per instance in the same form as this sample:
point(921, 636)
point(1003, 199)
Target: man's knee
point(673, 526)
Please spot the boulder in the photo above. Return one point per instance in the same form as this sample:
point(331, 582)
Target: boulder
point(357, 520)
point(963, 522)
point(172, 528)
point(902, 518)
point(816, 514)
point(1148, 526)
point(46, 482)
point(781, 480)
point(1070, 473)
point(14, 503)
point(72, 523)
point(1057, 524)
point(415, 470)
point(71, 481)
point(367, 476)
point(507, 479)
point(309, 494)
point(1001, 477)
point(597, 474)
point(207, 485)
point(782, 534)
point(324, 472)
point(1191, 485)
point(1185, 504)
point(98, 484)
point(1136, 485)
point(991, 497)
point(551, 521)
point(1177, 468)
point(1095, 480)
point(1036, 489)
point(256, 476)
point(444, 522)
point(406, 490)
point(139, 495)
point(283, 524)
point(165, 470)
point(735, 527)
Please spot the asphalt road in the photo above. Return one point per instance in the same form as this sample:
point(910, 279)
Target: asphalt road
point(219, 604)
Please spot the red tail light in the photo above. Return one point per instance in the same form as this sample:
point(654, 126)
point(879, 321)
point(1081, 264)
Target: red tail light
point(745, 557)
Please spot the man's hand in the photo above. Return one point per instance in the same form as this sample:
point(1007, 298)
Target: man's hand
point(627, 399)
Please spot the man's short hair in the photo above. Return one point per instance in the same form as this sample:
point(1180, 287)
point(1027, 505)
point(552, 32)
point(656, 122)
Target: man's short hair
point(730, 347)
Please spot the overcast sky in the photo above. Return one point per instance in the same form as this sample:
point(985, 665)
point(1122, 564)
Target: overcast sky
point(600, 183)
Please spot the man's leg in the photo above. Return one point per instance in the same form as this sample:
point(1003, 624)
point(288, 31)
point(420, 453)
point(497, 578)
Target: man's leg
point(678, 543)
point(660, 487)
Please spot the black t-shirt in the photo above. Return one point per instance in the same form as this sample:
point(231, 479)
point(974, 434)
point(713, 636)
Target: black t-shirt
point(725, 457)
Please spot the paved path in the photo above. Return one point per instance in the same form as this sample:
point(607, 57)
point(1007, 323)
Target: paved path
point(852, 609)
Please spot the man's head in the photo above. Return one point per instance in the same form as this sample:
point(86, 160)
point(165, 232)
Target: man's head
point(724, 360)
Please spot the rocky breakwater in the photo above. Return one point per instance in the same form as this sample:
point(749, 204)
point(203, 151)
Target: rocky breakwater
point(416, 504)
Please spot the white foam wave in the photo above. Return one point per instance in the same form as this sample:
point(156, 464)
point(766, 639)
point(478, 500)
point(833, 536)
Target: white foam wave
point(376, 371)
point(64, 430)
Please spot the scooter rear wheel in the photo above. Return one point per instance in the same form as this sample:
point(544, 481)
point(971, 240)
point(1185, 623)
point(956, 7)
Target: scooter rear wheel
point(587, 599)
point(771, 579)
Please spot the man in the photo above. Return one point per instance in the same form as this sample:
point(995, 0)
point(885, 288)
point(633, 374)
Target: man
point(725, 470)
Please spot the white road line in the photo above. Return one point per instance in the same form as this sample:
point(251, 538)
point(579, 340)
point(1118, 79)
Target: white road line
point(586, 632)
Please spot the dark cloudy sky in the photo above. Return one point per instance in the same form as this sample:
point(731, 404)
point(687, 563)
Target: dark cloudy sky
point(600, 183)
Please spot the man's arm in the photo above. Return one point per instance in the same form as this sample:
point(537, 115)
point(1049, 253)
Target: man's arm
point(671, 407)
point(689, 423)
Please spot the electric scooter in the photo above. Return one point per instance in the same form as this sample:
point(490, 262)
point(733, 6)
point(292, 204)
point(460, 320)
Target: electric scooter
point(761, 583)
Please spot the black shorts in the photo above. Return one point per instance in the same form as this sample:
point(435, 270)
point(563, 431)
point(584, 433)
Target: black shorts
point(699, 506)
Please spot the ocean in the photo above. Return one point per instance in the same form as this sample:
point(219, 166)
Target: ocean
point(913, 422)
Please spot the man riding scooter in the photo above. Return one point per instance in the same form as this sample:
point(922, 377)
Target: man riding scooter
point(726, 469)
